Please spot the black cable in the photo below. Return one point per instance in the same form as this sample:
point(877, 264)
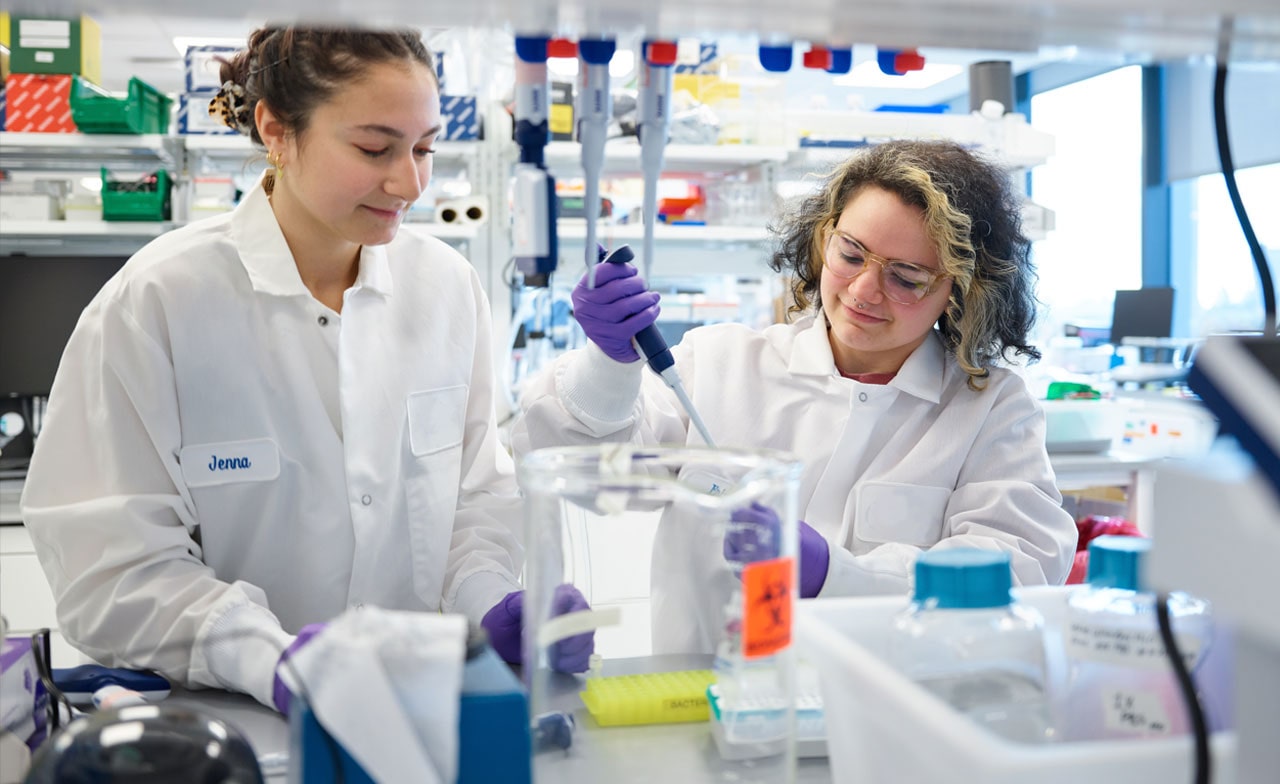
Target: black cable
point(1233, 190)
point(1200, 732)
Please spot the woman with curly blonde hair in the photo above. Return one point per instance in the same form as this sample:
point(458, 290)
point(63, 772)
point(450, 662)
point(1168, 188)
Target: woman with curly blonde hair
point(889, 385)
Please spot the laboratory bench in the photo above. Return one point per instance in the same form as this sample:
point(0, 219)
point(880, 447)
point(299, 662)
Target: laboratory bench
point(619, 755)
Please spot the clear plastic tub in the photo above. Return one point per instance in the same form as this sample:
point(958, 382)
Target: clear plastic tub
point(882, 727)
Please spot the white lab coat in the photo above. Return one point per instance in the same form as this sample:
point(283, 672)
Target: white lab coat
point(221, 450)
point(889, 470)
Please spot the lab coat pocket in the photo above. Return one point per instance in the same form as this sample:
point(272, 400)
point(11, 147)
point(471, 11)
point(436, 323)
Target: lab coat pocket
point(437, 418)
point(436, 423)
point(895, 512)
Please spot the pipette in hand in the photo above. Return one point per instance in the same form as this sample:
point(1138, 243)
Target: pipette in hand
point(653, 349)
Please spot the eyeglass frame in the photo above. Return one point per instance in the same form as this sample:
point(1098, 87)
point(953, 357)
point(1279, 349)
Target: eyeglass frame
point(830, 231)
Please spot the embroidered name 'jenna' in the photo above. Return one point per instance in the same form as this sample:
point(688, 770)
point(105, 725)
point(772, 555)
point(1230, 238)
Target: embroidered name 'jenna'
point(228, 463)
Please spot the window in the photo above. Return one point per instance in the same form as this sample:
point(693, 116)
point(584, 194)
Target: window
point(1228, 294)
point(1093, 183)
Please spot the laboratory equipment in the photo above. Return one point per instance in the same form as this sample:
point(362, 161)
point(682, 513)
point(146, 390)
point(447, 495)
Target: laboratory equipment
point(653, 130)
point(967, 641)
point(146, 743)
point(653, 349)
point(533, 228)
point(593, 112)
point(648, 698)
point(80, 684)
point(890, 729)
point(1120, 683)
point(605, 518)
point(494, 739)
point(1218, 538)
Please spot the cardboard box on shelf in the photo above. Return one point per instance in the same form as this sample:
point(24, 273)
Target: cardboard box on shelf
point(38, 103)
point(460, 116)
point(56, 46)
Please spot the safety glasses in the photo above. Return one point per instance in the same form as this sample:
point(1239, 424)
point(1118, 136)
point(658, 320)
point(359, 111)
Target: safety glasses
point(901, 281)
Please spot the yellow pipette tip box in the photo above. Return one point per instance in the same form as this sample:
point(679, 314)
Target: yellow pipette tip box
point(652, 698)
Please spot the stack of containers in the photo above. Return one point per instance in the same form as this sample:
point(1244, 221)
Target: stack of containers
point(202, 66)
point(45, 56)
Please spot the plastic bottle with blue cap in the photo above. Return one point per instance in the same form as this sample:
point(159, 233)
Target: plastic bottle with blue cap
point(1120, 682)
point(966, 639)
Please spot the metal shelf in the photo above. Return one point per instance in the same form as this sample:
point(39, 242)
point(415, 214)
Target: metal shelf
point(622, 157)
point(576, 231)
point(78, 238)
point(82, 151)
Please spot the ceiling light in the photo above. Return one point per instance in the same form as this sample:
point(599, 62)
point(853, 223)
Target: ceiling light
point(868, 74)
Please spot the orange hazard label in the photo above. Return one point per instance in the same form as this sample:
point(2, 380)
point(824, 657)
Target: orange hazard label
point(768, 596)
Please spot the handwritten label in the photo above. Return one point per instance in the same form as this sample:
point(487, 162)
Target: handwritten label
point(1126, 646)
point(1135, 712)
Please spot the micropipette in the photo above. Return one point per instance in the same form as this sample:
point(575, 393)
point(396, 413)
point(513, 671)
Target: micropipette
point(655, 119)
point(653, 349)
point(594, 111)
point(533, 230)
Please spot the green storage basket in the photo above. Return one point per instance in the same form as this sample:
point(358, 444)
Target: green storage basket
point(144, 110)
point(125, 200)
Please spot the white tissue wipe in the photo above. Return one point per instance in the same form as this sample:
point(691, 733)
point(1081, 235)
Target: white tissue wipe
point(611, 503)
point(615, 460)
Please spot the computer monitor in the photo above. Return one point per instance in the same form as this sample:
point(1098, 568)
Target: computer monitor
point(41, 298)
point(1142, 313)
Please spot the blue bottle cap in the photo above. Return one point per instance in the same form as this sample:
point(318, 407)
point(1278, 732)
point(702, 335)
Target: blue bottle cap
point(1117, 562)
point(966, 578)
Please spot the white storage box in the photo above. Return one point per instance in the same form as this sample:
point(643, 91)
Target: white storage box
point(202, 66)
point(1082, 425)
point(881, 727)
point(29, 206)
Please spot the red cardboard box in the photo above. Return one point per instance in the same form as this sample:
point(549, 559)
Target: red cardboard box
point(39, 103)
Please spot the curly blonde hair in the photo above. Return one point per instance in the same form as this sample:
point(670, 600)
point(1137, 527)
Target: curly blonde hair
point(971, 215)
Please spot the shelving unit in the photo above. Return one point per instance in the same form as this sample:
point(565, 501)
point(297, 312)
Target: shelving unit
point(61, 154)
point(78, 238)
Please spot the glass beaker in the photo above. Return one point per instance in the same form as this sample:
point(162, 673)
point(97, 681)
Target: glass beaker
point(687, 557)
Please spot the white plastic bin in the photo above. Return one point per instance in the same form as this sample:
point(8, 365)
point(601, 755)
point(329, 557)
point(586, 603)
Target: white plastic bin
point(881, 727)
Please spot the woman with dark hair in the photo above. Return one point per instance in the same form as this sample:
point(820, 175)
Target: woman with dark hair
point(271, 416)
point(912, 281)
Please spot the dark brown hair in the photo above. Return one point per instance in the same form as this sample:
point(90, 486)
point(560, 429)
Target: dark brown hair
point(295, 69)
point(972, 216)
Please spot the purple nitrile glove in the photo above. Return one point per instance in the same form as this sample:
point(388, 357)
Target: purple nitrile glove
point(815, 558)
point(753, 535)
point(504, 620)
point(572, 654)
point(280, 693)
point(614, 311)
